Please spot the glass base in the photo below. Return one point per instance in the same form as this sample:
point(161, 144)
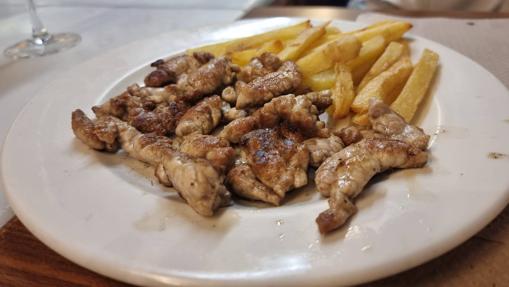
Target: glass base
point(32, 48)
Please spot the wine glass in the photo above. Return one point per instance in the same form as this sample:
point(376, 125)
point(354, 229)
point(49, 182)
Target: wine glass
point(42, 42)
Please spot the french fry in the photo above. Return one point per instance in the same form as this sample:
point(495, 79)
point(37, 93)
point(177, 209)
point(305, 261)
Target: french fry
point(369, 53)
point(416, 87)
point(327, 38)
point(377, 24)
point(342, 92)
point(382, 85)
point(361, 119)
point(242, 58)
point(331, 30)
point(323, 57)
point(253, 41)
point(391, 31)
point(321, 81)
point(392, 53)
point(298, 45)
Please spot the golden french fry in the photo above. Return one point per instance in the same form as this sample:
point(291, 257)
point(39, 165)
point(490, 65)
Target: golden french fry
point(323, 57)
point(361, 119)
point(416, 87)
point(342, 92)
point(321, 81)
point(391, 31)
point(359, 65)
point(392, 53)
point(253, 41)
point(327, 38)
point(242, 58)
point(406, 46)
point(369, 53)
point(382, 85)
point(297, 46)
point(273, 47)
point(331, 30)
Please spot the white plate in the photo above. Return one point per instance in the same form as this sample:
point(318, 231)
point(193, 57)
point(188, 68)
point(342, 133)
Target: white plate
point(107, 213)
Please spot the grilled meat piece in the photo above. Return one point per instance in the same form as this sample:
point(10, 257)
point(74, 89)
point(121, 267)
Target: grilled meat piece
point(207, 79)
point(350, 135)
point(195, 179)
point(297, 111)
point(262, 89)
point(229, 95)
point(84, 130)
point(202, 118)
point(149, 110)
point(231, 114)
point(168, 71)
point(388, 123)
point(321, 99)
point(278, 162)
point(243, 181)
point(322, 148)
point(259, 67)
point(216, 150)
point(135, 97)
point(161, 121)
point(385, 124)
point(341, 177)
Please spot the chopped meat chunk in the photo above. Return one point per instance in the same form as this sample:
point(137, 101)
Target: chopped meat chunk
point(263, 89)
point(322, 148)
point(217, 73)
point(388, 123)
point(161, 121)
point(341, 177)
point(216, 150)
point(168, 71)
point(244, 183)
point(231, 114)
point(321, 99)
point(229, 95)
point(84, 130)
point(297, 111)
point(202, 118)
point(259, 67)
point(279, 163)
point(195, 179)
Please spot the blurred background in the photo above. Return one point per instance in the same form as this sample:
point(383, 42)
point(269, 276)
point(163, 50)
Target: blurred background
point(428, 5)
point(8, 7)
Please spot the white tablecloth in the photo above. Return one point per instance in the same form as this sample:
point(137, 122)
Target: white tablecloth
point(102, 26)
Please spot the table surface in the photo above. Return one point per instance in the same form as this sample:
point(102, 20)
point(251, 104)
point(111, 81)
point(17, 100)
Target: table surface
point(483, 260)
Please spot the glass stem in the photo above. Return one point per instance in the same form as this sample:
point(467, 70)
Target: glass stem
point(40, 34)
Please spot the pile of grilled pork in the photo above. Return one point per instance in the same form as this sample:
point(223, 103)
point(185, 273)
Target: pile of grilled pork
point(210, 128)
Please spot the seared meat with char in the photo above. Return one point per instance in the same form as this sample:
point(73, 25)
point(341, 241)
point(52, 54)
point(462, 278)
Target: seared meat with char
point(273, 164)
point(216, 150)
point(168, 71)
point(202, 118)
point(322, 148)
point(259, 67)
point(217, 73)
point(196, 179)
point(262, 89)
point(150, 110)
point(343, 176)
point(297, 111)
